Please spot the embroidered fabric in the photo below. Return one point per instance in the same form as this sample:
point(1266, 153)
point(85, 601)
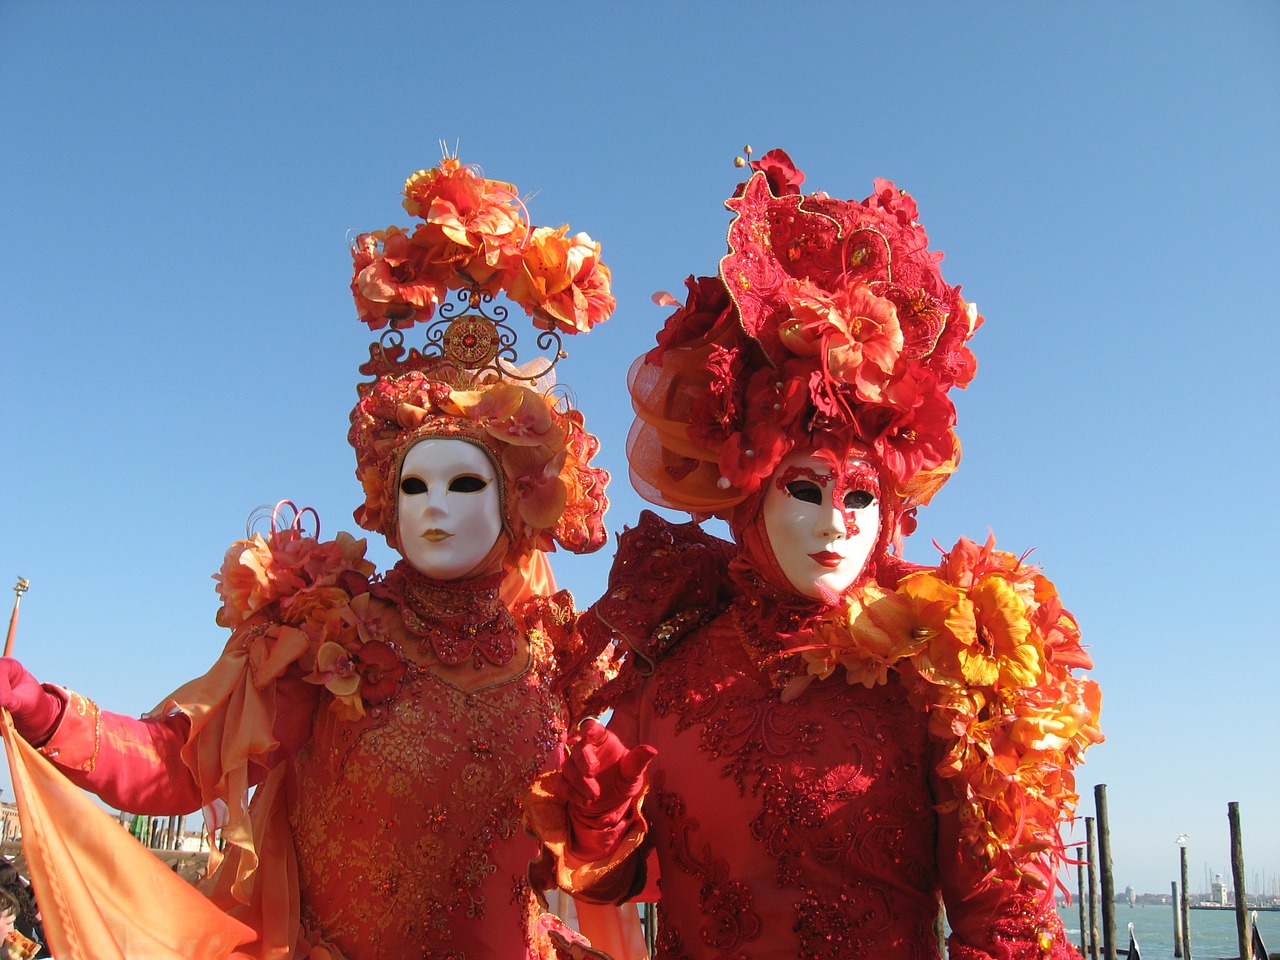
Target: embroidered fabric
point(457, 620)
point(407, 823)
point(395, 834)
point(808, 828)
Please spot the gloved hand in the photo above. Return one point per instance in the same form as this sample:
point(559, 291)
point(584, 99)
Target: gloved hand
point(35, 710)
point(604, 779)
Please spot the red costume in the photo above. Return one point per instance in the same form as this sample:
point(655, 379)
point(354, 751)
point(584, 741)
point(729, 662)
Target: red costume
point(829, 765)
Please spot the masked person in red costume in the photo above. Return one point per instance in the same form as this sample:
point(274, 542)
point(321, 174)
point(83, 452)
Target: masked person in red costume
point(391, 723)
point(816, 743)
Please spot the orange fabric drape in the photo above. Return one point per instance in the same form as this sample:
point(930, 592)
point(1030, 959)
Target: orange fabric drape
point(104, 896)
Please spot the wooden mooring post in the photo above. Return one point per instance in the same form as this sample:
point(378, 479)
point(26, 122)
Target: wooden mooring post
point(1244, 934)
point(1082, 854)
point(1177, 918)
point(1185, 903)
point(1091, 838)
point(1108, 879)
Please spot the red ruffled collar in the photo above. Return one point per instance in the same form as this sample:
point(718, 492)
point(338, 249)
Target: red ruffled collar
point(770, 622)
point(457, 620)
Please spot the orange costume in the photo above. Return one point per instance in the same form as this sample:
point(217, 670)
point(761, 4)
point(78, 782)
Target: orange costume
point(362, 744)
point(392, 833)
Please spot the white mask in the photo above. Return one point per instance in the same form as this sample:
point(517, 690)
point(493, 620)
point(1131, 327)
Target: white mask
point(449, 508)
point(822, 521)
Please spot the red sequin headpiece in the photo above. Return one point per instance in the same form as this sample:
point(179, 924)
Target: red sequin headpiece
point(829, 320)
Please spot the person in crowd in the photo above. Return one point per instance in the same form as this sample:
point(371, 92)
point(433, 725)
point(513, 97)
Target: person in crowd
point(21, 912)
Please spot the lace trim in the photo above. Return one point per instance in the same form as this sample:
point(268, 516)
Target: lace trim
point(770, 622)
point(457, 620)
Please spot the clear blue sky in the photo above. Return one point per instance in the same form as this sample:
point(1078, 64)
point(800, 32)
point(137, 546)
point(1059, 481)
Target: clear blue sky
point(179, 182)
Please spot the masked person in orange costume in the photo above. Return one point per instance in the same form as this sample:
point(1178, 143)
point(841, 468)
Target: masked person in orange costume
point(391, 723)
point(817, 744)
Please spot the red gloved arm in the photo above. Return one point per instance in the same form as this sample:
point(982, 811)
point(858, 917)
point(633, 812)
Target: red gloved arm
point(135, 765)
point(587, 815)
point(35, 708)
point(604, 780)
point(132, 764)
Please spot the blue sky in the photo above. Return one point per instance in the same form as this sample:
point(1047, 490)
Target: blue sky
point(179, 344)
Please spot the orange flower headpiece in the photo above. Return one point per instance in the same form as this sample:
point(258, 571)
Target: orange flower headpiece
point(552, 493)
point(828, 319)
point(475, 237)
point(475, 240)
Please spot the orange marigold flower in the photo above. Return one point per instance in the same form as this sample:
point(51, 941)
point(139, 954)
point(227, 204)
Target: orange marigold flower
point(562, 283)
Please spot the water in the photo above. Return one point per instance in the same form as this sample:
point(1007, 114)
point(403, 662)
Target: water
point(1213, 932)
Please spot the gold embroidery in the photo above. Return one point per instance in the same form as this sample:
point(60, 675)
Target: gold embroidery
point(408, 828)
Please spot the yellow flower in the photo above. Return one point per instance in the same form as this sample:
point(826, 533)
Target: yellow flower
point(1002, 653)
point(336, 670)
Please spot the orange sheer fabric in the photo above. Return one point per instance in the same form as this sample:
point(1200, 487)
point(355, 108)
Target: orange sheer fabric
point(103, 896)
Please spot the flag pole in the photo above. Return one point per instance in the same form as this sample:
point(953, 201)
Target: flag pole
point(19, 588)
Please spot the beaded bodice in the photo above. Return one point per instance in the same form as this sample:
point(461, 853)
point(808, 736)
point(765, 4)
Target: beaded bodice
point(801, 829)
point(407, 822)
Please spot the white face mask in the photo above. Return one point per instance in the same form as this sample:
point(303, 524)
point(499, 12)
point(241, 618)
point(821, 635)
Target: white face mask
point(822, 522)
point(449, 507)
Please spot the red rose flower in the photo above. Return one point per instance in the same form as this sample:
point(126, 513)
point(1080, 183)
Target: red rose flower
point(381, 671)
point(782, 174)
point(705, 307)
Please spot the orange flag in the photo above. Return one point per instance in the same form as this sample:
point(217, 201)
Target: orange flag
point(102, 895)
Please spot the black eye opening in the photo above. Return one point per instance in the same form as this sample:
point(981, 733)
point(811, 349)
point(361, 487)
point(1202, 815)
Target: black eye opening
point(412, 485)
point(805, 490)
point(467, 484)
point(858, 499)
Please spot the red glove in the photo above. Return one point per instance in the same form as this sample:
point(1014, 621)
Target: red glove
point(604, 779)
point(35, 709)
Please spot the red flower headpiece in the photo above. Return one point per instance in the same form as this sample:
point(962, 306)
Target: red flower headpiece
point(475, 239)
point(829, 318)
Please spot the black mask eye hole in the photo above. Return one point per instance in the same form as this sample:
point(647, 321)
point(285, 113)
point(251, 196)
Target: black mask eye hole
point(857, 499)
point(467, 484)
point(412, 485)
point(805, 490)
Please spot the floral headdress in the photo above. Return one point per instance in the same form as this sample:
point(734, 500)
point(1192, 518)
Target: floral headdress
point(475, 242)
point(828, 318)
point(829, 325)
point(475, 237)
